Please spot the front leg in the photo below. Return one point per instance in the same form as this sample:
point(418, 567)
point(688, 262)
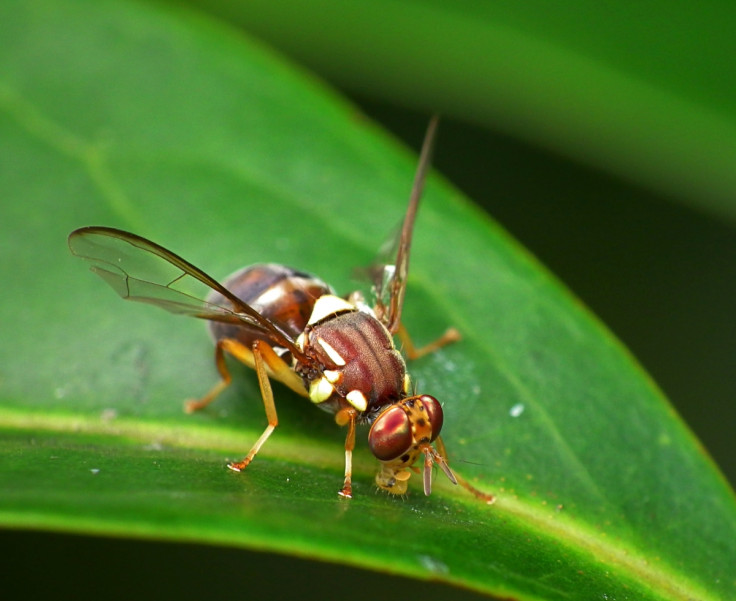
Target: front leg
point(441, 459)
point(347, 417)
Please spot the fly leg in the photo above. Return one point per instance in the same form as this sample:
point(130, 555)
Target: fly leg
point(265, 360)
point(191, 405)
point(442, 452)
point(279, 371)
point(347, 417)
point(451, 335)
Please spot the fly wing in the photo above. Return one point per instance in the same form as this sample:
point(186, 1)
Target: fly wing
point(141, 270)
point(389, 273)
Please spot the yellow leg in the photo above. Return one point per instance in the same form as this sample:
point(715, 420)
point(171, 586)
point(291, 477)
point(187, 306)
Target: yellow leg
point(263, 355)
point(442, 451)
point(412, 352)
point(191, 406)
point(347, 417)
point(276, 368)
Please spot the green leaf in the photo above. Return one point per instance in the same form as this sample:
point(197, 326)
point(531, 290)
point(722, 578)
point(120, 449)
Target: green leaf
point(641, 90)
point(163, 122)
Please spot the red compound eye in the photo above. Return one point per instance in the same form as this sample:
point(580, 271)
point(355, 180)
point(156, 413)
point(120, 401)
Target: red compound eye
point(390, 435)
point(434, 411)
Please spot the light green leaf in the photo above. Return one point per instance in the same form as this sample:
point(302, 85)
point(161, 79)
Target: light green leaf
point(162, 122)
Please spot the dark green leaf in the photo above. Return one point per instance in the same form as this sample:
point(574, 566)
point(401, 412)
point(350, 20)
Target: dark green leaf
point(641, 90)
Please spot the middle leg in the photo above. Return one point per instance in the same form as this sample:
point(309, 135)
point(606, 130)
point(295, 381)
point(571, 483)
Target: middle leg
point(263, 355)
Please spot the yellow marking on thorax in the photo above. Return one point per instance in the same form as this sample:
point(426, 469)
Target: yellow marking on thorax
point(357, 399)
point(327, 305)
point(320, 390)
point(331, 352)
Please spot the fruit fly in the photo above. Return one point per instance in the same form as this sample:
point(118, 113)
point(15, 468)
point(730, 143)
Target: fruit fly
point(291, 326)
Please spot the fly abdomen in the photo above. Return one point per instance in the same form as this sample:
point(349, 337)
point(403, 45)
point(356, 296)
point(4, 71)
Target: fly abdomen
point(283, 295)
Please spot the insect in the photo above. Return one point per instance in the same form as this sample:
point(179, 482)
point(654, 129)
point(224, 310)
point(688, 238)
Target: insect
point(291, 326)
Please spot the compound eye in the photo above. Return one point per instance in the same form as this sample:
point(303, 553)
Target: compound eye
point(434, 411)
point(390, 436)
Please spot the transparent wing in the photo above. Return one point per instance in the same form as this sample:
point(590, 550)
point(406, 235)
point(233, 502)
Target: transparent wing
point(390, 271)
point(141, 270)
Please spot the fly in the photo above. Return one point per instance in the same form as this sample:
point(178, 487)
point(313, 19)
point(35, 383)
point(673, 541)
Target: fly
point(291, 327)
